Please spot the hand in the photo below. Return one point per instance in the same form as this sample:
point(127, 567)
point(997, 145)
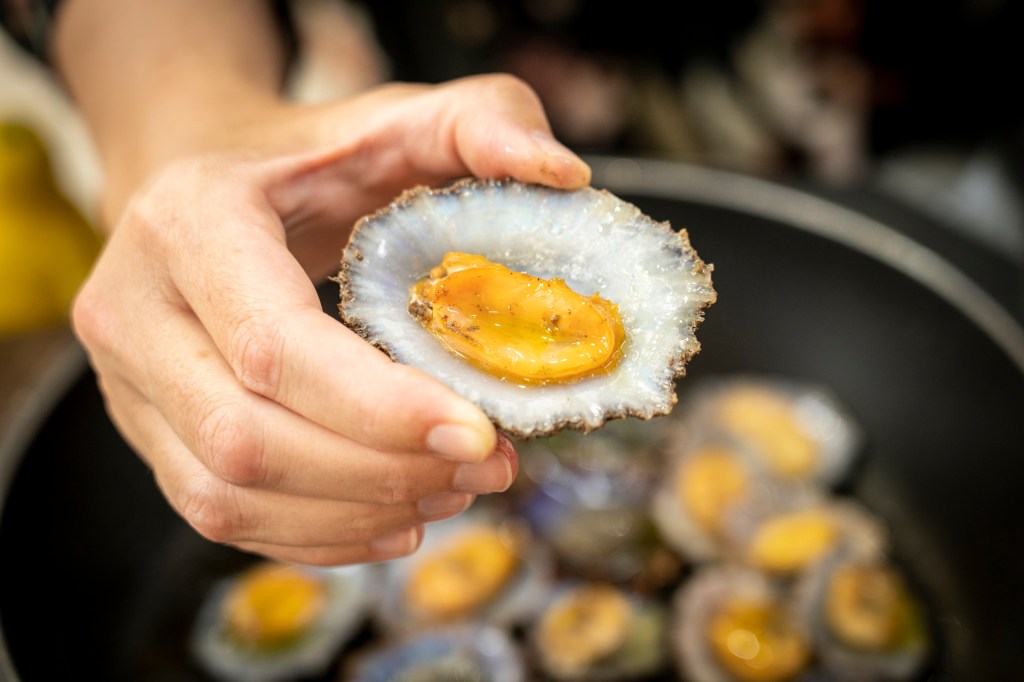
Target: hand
point(268, 424)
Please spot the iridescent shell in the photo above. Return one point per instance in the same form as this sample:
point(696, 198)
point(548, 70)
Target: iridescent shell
point(589, 238)
point(470, 651)
point(699, 599)
point(796, 413)
point(350, 593)
point(598, 645)
point(513, 602)
point(897, 661)
point(590, 495)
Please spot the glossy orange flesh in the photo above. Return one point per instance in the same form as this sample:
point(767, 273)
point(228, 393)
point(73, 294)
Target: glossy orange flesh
point(516, 326)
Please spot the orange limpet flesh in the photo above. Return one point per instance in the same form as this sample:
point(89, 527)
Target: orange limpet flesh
point(711, 483)
point(273, 603)
point(792, 541)
point(515, 326)
point(769, 421)
point(757, 641)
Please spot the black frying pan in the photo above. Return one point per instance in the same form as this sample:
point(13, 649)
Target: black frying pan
point(99, 577)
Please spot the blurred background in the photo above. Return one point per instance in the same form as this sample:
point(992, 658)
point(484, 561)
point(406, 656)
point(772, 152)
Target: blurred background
point(913, 102)
point(914, 99)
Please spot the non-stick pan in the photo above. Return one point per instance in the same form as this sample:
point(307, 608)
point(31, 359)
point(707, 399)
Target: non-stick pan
point(98, 577)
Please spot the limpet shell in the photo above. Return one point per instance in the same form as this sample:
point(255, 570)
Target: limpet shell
point(593, 240)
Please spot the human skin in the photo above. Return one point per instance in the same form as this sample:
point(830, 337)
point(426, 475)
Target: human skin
point(267, 424)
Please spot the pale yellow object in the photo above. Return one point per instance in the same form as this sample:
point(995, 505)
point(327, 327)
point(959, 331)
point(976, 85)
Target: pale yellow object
point(712, 482)
point(516, 326)
point(793, 541)
point(583, 627)
point(463, 575)
point(272, 604)
point(757, 641)
point(768, 422)
point(869, 608)
point(46, 245)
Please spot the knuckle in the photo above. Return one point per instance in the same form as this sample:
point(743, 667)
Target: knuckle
point(511, 87)
point(398, 489)
point(207, 504)
point(255, 353)
point(156, 213)
point(233, 450)
point(92, 320)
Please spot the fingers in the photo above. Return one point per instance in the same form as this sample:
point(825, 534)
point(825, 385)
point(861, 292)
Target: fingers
point(397, 544)
point(499, 129)
point(362, 152)
point(251, 441)
point(245, 517)
point(264, 317)
point(489, 126)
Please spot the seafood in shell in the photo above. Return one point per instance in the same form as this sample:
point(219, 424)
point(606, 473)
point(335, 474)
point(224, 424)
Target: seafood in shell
point(275, 622)
point(595, 631)
point(473, 567)
point(590, 240)
point(798, 431)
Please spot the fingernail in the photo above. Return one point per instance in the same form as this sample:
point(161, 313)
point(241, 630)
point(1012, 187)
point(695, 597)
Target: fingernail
point(443, 505)
point(399, 543)
point(552, 146)
point(459, 442)
point(506, 448)
point(492, 475)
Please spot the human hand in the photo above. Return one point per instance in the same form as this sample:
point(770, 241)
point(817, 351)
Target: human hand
point(269, 425)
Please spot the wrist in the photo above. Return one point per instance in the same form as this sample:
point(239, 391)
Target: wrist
point(166, 80)
point(187, 127)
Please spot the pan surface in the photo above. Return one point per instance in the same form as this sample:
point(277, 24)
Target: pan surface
point(99, 575)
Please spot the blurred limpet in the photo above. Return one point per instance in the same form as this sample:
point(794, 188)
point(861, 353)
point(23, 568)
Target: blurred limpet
point(473, 567)
point(599, 632)
point(590, 495)
point(733, 624)
point(274, 622)
point(469, 652)
point(708, 482)
point(800, 532)
point(549, 309)
point(799, 430)
point(866, 619)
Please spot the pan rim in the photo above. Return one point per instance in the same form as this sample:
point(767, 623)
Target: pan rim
point(38, 401)
point(654, 178)
point(802, 210)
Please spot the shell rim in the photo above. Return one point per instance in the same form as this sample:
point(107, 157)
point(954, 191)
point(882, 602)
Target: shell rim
point(677, 363)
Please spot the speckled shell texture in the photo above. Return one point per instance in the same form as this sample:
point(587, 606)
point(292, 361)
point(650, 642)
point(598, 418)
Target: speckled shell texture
point(590, 238)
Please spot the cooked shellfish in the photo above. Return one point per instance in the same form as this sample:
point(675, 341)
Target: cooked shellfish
point(732, 624)
point(599, 632)
point(867, 620)
point(590, 497)
point(797, 430)
point(581, 265)
point(473, 567)
point(274, 622)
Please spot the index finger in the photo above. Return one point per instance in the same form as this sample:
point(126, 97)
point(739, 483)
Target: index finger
point(263, 314)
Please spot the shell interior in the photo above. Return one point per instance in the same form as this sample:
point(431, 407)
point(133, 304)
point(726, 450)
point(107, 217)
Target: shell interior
point(465, 652)
point(591, 239)
point(349, 596)
point(515, 603)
